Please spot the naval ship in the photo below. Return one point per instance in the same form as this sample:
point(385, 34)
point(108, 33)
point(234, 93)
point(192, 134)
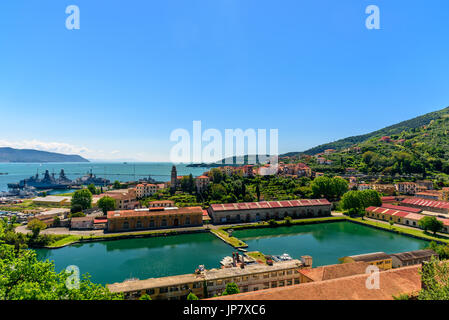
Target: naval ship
point(49, 181)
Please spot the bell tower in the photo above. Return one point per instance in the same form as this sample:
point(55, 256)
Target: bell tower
point(174, 178)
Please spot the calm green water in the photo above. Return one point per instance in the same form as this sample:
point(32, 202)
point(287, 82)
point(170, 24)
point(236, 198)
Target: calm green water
point(327, 242)
point(116, 261)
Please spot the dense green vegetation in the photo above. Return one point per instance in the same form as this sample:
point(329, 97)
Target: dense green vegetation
point(393, 130)
point(435, 280)
point(416, 149)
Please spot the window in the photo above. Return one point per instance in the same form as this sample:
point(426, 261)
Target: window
point(273, 274)
point(164, 223)
point(281, 283)
point(151, 223)
point(163, 290)
point(245, 278)
point(210, 284)
point(289, 282)
point(219, 282)
point(197, 285)
point(281, 273)
point(296, 280)
point(266, 275)
point(256, 276)
point(126, 225)
point(139, 224)
point(289, 272)
point(188, 220)
point(238, 279)
point(150, 291)
point(266, 285)
point(274, 284)
point(173, 289)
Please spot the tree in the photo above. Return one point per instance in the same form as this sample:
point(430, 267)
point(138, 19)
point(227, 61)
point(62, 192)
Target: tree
point(36, 225)
point(258, 192)
point(145, 297)
point(192, 296)
point(117, 185)
point(106, 204)
point(329, 188)
point(231, 288)
point(24, 277)
point(431, 223)
point(92, 189)
point(76, 208)
point(352, 202)
point(83, 198)
point(370, 198)
point(56, 221)
point(435, 280)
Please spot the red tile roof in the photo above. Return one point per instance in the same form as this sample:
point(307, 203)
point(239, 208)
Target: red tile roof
point(392, 283)
point(426, 203)
point(270, 204)
point(401, 208)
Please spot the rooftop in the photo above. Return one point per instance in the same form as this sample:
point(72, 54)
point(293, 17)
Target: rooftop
point(335, 271)
point(426, 203)
point(269, 204)
point(417, 254)
point(368, 257)
point(392, 283)
point(207, 275)
point(153, 212)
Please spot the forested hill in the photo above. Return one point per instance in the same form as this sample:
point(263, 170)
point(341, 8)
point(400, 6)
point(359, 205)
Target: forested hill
point(395, 129)
point(30, 155)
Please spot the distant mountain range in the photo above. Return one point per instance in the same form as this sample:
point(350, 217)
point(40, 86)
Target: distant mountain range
point(30, 155)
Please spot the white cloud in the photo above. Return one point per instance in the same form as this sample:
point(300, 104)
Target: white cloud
point(59, 147)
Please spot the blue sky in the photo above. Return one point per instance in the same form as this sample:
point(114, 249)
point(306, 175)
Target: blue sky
point(136, 70)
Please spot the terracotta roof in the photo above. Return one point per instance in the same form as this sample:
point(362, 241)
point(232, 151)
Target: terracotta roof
point(417, 254)
point(269, 204)
point(368, 257)
point(335, 271)
point(152, 212)
point(401, 208)
point(392, 283)
point(426, 203)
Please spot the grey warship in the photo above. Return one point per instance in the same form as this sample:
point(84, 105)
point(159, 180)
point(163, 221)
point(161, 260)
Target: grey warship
point(49, 181)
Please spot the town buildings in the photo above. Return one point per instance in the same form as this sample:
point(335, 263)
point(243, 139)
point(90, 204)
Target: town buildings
point(201, 183)
point(409, 188)
point(266, 210)
point(161, 203)
point(410, 258)
point(394, 282)
point(144, 190)
point(379, 259)
point(124, 198)
point(428, 205)
point(212, 282)
point(154, 218)
point(82, 223)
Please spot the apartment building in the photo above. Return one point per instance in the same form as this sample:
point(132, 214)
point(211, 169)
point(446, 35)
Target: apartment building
point(212, 282)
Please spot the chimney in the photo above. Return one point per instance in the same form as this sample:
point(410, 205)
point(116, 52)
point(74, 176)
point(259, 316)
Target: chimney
point(307, 261)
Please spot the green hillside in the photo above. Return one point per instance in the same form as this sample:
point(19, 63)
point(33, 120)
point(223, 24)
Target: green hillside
point(388, 131)
point(421, 149)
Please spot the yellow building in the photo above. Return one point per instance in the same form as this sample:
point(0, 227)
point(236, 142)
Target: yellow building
point(380, 259)
point(154, 218)
point(212, 282)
